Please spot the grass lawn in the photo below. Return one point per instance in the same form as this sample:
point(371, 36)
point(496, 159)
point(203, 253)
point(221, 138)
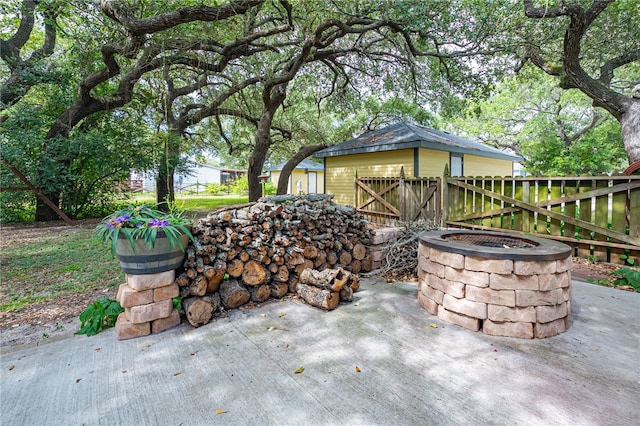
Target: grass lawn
point(72, 261)
point(38, 270)
point(198, 205)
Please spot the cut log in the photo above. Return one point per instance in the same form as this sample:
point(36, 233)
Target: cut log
point(354, 283)
point(320, 298)
point(233, 294)
point(216, 275)
point(321, 259)
point(367, 263)
point(346, 294)
point(359, 251)
point(308, 263)
point(199, 310)
point(254, 273)
point(310, 252)
point(260, 293)
point(197, 287)
point(281, 275)
point(332, 258)
point(294, 258)
point(330, 279)
point(293, 282)
point(299, 268)
point(235, 268)
point(345, 258)
point(244, 256)
point(279, 289)
point(356, 266)
point(182, 280)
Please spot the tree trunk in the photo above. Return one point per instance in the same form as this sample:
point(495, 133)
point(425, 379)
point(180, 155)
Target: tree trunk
point(303, 152)
point(630, 123)
point(164, 189)
point(273, 97)
point(44, 213)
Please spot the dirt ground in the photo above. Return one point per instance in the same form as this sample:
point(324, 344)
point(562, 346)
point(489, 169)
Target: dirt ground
point(58, 318)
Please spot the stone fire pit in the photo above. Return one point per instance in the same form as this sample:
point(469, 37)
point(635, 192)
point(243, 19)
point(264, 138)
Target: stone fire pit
point(502, 284)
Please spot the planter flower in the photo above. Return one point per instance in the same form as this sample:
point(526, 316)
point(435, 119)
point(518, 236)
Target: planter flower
point(146, 240)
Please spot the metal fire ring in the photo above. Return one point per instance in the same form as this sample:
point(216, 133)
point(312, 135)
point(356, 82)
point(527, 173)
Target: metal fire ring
point(495, 245)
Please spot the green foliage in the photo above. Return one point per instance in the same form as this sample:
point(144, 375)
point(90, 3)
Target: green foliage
point(143, 223)
point(629, 277)
point(552, 129)
point(239, 185)
point(101, 314)
point(86, 168)
point(628, 260)
point(216, 188)
point(270, 188)
point(177, 304)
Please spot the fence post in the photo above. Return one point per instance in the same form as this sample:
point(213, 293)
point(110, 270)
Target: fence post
point(402, 196)
point(357, 191)
point(444, 203)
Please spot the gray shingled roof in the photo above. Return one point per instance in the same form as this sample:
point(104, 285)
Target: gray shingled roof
point(304, 164)
point(405, 135)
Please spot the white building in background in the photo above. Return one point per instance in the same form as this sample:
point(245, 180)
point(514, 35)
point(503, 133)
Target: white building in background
point(194, 180)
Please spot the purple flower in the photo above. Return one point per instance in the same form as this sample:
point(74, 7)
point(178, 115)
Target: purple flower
point(123, 218)
point(158, 223)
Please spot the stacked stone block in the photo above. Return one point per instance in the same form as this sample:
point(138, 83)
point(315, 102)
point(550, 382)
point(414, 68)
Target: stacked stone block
point(380, 238)
point(501, 297)
point(148, 305)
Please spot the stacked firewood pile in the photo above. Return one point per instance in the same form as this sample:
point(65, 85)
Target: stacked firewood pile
point(259, 250)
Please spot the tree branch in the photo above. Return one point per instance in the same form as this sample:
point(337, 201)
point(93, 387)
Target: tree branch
point(118, 12)
point(302, 153)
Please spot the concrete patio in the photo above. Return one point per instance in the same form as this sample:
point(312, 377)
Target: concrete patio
point(414, 369)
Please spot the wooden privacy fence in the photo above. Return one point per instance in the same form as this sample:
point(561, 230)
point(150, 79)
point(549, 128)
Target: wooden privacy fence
point(598, 216)
point(390, 200)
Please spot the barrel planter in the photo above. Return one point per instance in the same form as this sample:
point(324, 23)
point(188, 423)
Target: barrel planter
point(143, 260)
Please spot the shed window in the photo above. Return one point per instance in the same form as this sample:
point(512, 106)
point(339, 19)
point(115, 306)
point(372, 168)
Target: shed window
point(456, 164)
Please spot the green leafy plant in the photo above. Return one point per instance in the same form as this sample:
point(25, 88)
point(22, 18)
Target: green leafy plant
point(143, 223)
point(627, 259)
point(628, 277)
point(101, 314)
point(177, 303)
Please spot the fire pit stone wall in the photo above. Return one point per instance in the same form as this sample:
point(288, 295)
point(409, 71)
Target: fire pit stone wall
point(499, 291)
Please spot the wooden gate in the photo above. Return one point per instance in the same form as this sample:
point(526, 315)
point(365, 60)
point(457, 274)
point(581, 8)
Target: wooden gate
point(598, 216)
point(389, 200)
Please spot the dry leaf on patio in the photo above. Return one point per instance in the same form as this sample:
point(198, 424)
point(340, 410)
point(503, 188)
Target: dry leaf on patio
point(299, 370)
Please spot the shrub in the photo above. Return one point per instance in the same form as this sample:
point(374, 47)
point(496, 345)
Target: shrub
point(216, 188)
point(240, 185)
